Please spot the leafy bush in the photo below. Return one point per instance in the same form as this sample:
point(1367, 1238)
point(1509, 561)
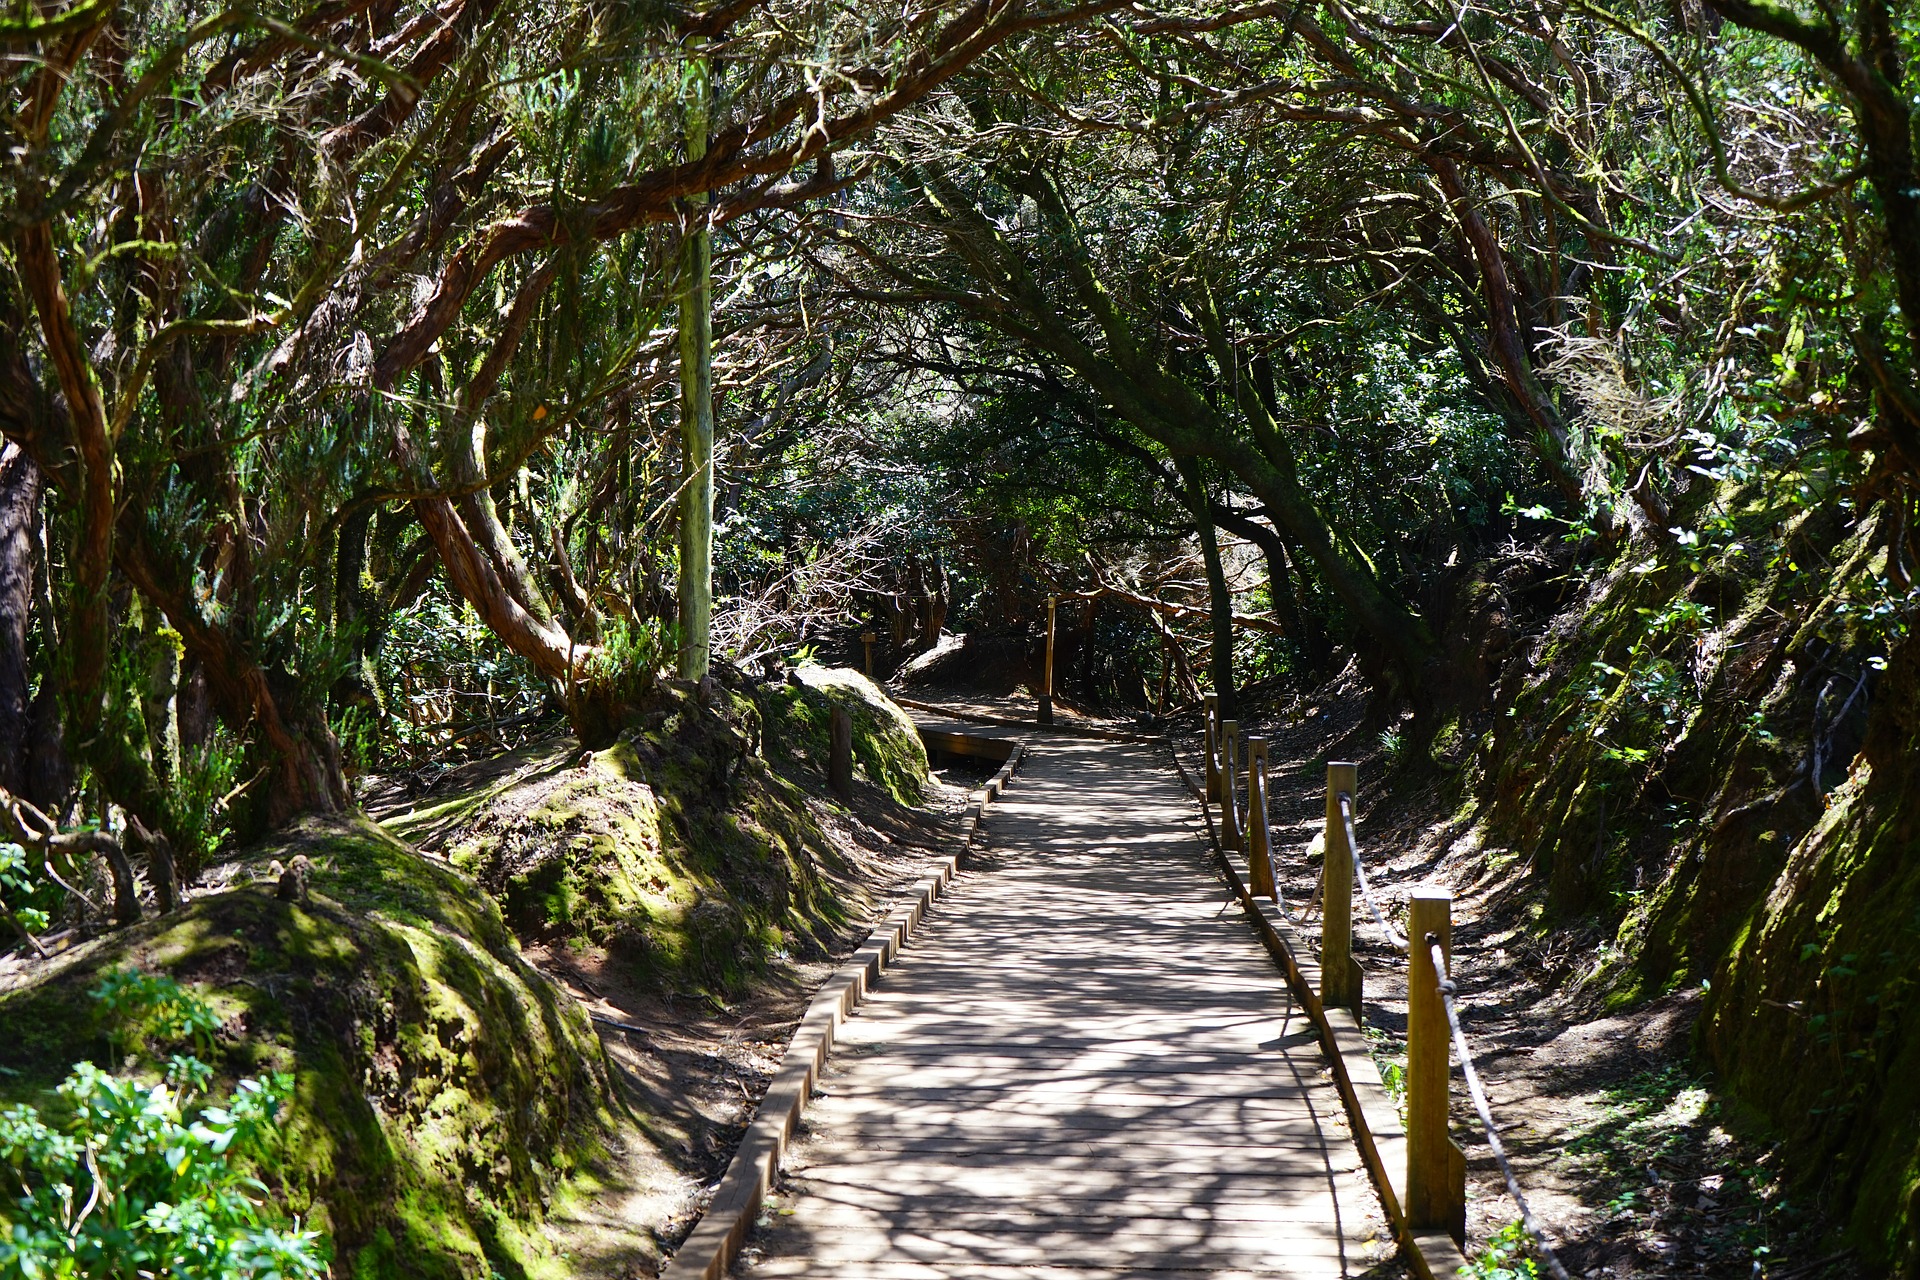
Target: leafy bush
point(118, 1176)
point(627, 663)
point(197, 799)
point(153, 1006)
point(1504, 1257)
point(19, 890)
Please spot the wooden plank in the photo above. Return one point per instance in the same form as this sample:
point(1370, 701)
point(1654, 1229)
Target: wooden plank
point(975, 745)
point(1214, 1131)
point(1078, 1069)
point(991, 1248)
point(1095, 1215)
point(1070, 1171)
point(1118, 1191)
point(805, 1269)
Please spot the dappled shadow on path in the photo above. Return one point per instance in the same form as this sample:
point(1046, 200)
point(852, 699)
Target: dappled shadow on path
point(1085, 1067)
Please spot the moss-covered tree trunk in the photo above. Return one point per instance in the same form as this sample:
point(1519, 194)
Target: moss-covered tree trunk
point(696, 403)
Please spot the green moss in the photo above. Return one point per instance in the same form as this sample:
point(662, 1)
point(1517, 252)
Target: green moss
point(1810, 1018)
point(887, 750)
point(443, 1088)
point(687, 850)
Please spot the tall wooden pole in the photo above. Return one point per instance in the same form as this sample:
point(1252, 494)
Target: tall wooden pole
point(1046, 675)
point(696, 398)
point(1339, 971)
point(867, 638)
point(1166, 675)
point(1436, 1169)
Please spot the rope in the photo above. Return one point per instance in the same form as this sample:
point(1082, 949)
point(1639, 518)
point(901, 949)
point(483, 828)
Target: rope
point(1313, 903)
point(1394, 937)
point(1446, 988)
point(1273, 863)
point(1480, 1105)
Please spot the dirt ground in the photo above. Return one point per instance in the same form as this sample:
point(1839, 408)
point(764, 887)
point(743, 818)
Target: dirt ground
point(1620, 1141)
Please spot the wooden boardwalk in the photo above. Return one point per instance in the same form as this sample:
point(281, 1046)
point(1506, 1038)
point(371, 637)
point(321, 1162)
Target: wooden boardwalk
point(1085, 1068)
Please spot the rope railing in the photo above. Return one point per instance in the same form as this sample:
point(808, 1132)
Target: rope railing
point(1464, 1052)
point(1393, 936)
point(1435, 1189)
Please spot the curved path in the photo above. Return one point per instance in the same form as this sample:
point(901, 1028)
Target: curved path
point(1084, 1067)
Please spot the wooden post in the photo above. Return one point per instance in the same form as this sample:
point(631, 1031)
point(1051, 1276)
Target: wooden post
point(1230, 784)
point(1339, 971)
point(840, 753)
point(1166, 675)
point(1046, 676)
point(1436, 1168)
point(1212, 718)
point(867, 638)
point(1259, 836)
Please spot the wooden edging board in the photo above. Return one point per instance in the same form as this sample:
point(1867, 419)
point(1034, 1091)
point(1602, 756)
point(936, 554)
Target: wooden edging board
point(1032, 726)
point(716, 1239)
point(1377, 1127)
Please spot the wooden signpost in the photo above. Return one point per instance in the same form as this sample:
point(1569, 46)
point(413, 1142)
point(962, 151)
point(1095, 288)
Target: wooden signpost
point(840, 753)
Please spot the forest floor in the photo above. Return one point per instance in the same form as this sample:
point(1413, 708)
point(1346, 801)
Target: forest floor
point(1620, 1141)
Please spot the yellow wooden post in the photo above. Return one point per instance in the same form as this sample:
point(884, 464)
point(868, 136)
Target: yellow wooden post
point(1230, 784)
point(1259, 837)
point(1212, 703)
point(1046, 676)
point(1436, 1168)
point(1339, 971)
point(867, 638)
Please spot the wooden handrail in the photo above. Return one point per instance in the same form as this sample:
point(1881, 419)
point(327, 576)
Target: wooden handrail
point(840, 752)
point(1212, 750)
point(1046, 674)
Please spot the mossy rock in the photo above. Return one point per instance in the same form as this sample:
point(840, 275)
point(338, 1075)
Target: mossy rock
point(686, 851)
point(443, 1088)
point(887, 749)
point(1811, 1016)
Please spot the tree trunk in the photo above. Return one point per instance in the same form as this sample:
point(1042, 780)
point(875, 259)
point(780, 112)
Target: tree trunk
point(467, 450)
point(301, 748)
point(1282, 587)
point(1220, 661)
point(47, 772)
point(1552, 444)
point(696, 405)
point(89, 624)
point(19, 506)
